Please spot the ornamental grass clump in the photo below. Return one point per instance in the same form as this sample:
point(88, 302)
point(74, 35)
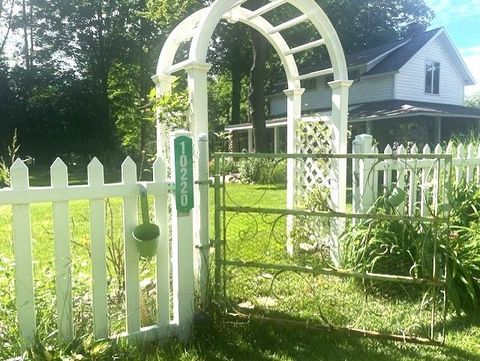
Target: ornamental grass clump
point(407, 248)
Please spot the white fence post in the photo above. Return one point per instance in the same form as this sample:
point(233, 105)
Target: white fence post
point(425, 188)
point(130, 221)
point(203, 239)
point(99, 265)
point(363, 196)
point(22, 246)
point(61, 234)
point(163, 252)
point(182, 261)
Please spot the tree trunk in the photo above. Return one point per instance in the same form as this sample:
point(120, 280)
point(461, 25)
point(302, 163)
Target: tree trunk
point(256, 96)
point(236, 93)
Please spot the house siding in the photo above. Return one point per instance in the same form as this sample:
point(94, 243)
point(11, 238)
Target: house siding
point(410, 80)
point(368, 89)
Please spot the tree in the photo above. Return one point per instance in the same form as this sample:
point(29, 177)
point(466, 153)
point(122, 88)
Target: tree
point(360, 24)
point(473, 101)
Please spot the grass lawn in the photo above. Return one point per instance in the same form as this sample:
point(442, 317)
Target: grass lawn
point(247, 239)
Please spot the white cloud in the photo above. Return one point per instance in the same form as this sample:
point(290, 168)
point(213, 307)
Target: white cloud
point(472, 59)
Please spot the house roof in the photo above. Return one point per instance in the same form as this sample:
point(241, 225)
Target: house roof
point(388, 109)
point(405, 108)
point(391, 57)
point(398, 58)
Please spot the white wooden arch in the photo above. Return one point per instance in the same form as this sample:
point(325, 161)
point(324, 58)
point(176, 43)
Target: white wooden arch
point(198, 28)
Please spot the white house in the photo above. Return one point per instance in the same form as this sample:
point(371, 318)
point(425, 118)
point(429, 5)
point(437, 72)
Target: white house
point(408, 90)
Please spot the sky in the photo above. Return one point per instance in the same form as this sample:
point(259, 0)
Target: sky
point(461, 19)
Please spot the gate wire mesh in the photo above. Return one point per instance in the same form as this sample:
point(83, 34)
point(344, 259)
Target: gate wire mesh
point(391, 282)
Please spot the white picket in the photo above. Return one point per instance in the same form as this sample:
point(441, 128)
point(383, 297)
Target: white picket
point(130, 221)
point(424, 175)
point(20, 196)
point(425, 187)
point(375, 174)
point(22, 246)
point(436, 179)
point(459, 166)
point(470, 169)
point(387, 172)
point(163, 252)
point(99, 266)
point(61, 234)
point(412, 185)
point(401, 176)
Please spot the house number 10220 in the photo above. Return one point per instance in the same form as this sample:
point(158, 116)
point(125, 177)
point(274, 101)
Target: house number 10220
point(183, 173)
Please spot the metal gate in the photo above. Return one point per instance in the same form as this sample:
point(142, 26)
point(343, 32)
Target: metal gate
point(390, 279)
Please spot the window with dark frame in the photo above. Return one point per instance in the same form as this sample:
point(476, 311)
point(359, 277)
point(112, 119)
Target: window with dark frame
point(432, 77)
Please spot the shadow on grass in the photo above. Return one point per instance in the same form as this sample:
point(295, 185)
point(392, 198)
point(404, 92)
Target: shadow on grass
point(256, 341)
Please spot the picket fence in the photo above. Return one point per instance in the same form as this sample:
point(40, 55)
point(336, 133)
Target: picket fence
point(175, 278)
point(423, 178)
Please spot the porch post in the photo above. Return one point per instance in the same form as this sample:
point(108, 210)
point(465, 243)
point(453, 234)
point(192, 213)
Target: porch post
point(198, 116)
point(338, 171)
point(438, 130)
point(294, 114)
point(275, 140)
point(369, 127)
point(250, 140)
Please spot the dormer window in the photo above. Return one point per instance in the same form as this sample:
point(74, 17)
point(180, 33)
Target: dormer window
point(432, 77)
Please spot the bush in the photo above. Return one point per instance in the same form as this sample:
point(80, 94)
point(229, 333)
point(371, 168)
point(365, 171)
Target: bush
point(398, 246)
point(263, 170)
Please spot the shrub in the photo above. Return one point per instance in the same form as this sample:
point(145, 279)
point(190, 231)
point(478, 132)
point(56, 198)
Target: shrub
point(263, 170)
point(393, 247)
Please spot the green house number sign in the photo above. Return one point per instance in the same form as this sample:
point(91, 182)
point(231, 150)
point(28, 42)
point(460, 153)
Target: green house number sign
point(183, 173)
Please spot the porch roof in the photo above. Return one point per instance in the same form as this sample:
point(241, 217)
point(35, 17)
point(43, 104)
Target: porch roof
point(405, 108)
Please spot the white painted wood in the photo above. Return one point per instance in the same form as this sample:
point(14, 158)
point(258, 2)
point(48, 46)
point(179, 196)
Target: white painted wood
point(22, 247)
point(61, 235)
point(425, 188)
point(363, 197)
point(250, 141)
point(130, 221)
point(99, 266)
point(387, 173)
point(289, 24)
point(275, 140)
point(202, 238)
point(162, 219)
point(459, 167)
point(412, 185)
point(401, 176)
point(410, 79)
point(304, 47)
point(273, 4)
point(48, 194)
point(182, 263)
point(437, 167)
point(294, 114)
point(374, 173)
point(470, 168)
point(316, 74)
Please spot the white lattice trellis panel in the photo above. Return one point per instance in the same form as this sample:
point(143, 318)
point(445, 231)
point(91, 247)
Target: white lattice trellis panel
point(313, 137)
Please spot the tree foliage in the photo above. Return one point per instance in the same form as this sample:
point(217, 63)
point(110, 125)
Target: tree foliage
point(78, 82)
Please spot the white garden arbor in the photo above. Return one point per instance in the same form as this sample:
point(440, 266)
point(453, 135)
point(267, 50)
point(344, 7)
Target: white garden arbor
point(198, 29)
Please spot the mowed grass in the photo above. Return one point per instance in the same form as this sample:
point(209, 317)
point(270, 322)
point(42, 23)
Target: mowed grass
point(248, 239)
